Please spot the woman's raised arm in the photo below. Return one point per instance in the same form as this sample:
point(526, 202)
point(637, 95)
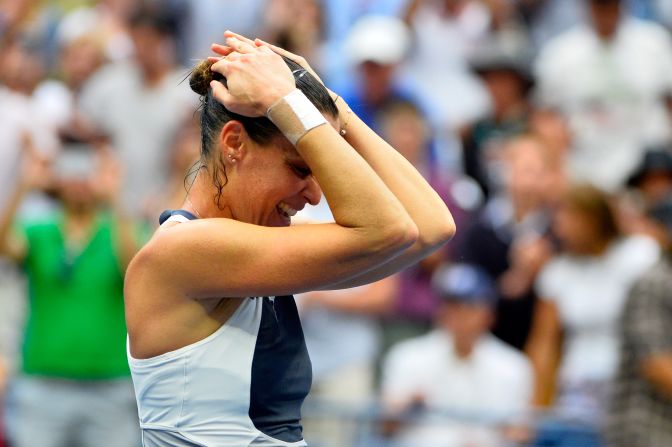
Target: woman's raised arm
point(429, 212)
point(224, 257)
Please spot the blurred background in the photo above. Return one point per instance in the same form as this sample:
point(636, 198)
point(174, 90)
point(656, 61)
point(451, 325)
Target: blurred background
point(545, 125)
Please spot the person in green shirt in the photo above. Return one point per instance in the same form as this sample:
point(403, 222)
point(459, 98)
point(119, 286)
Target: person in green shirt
point(74, 386)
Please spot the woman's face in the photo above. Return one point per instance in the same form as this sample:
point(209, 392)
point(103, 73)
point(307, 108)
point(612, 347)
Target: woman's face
point(269, 183)
point(576, 230)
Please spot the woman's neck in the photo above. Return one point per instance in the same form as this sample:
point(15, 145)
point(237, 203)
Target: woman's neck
point(596, 249)
point(201, 199)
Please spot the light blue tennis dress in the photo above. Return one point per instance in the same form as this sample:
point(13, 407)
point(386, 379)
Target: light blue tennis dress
point(241, 386)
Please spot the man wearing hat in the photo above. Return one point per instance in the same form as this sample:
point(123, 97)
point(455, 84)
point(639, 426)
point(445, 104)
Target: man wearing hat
point(653, 176)
point(507, 79)
point(466, 384)
point(641, 407)
point(375, 47)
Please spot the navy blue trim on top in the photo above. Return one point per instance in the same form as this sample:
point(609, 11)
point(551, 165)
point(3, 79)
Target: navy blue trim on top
point(168, 213)
point(281, 371)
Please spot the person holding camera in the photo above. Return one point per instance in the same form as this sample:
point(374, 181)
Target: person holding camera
point(73, 386)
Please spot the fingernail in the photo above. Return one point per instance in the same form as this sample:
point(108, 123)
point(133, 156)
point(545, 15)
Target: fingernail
point(213, 84)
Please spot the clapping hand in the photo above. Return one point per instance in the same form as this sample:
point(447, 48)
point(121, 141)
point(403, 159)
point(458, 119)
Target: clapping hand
point(36, 173)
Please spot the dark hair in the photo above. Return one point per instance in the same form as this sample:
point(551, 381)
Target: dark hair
point(159, 18)
point(213, 115)
point(595, 204)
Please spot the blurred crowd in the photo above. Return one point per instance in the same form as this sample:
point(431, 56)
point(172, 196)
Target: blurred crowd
point(545, 125)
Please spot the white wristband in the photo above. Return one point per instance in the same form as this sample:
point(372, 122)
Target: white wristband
point(295, 115)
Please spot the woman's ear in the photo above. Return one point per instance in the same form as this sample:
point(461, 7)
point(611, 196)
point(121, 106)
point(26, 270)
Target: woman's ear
point(232, 140)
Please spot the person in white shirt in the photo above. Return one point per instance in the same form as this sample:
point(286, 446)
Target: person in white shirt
point(469, 387)
point(582, 293)
point(613, 74)
point(141, 104)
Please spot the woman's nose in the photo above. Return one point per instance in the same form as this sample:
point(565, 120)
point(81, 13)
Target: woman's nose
point(312, 191)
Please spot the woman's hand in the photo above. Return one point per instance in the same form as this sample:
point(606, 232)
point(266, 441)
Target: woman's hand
point(256, 78)
point(225, 50)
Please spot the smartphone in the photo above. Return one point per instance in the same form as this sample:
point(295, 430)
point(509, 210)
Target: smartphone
point(76, 161)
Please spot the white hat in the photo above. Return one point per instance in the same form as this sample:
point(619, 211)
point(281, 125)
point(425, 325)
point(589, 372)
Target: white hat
point(380, 39)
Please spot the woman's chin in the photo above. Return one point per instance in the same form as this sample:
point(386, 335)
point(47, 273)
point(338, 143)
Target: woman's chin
point(279, 220)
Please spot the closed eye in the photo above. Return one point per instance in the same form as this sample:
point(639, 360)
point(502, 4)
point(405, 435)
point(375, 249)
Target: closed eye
point(301, 171)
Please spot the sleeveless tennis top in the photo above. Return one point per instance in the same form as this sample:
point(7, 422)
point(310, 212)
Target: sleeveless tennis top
point(241, 386)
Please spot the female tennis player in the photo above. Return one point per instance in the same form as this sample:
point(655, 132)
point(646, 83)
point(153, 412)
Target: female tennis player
point(215, 343)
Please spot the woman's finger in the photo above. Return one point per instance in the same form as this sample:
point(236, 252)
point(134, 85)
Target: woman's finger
point(222, 66)
point(221, 93)
point(240, 46)
point(294, 57)
point(229, 33)
point(221, 49)
point(281, 51)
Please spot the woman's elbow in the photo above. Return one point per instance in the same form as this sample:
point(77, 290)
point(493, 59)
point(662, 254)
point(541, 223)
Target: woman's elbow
point(402, 235)
point(438, 232)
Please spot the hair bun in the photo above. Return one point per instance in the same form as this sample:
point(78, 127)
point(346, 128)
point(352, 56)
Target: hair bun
point(201, 76)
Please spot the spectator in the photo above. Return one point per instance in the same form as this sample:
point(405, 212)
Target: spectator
point(551, 128)
point(340, 16)
point(415, 305)
point(20, 79)
point(508, 82)
point(206, 21)
point(375, 46)
point(458, 369)
point(183, 164)
point(343, 339)
point(546, 19)
point(141, 104)
point(22, 120)
point(641, 408)
point(653, 176)
point(613, 109)
point(582, 292)
point(74, 387)
point(297, 26)
point(509, 238)
point(446, 32)
point(108, 20)
point(80, 56)
point(650, 183)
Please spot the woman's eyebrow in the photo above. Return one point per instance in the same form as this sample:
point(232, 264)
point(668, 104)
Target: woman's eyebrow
point(299, 163)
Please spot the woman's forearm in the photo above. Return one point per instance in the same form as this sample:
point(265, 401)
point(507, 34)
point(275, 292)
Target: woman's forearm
point(429, 212)
point(358, 198)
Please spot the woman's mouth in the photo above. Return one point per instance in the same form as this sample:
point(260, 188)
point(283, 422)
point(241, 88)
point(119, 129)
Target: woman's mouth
point(286, 210)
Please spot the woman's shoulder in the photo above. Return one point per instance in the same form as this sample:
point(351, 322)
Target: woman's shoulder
point(636, 249)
